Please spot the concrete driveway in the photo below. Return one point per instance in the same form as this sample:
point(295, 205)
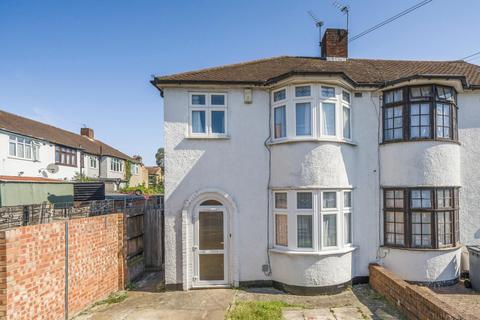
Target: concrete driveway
point(146, 303)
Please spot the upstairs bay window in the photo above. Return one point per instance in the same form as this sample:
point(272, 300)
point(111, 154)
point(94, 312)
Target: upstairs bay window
point(208, 114)
point(23, 148)
point(311, 112)
point(421, 217)
point(426, 112)
point(312, 220)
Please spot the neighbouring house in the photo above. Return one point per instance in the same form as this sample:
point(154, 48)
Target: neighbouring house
point(300, 171)
point(155, 176)
point(29, 147)
point(139, 173)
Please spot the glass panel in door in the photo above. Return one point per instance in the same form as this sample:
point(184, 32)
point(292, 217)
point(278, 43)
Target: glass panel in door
point(211, 246)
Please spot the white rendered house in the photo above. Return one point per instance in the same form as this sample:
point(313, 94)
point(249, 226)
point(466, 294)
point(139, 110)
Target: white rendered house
point(301, 171)
point(28, 147)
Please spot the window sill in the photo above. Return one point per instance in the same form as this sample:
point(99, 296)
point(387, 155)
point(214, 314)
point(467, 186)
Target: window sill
point(458, 246)
point(420, 140)
point(208, 137)
point(23, 159)
point(310, 139)
point(314, 253)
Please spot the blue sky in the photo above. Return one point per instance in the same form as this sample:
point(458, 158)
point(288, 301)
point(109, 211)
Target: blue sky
point(69, 63)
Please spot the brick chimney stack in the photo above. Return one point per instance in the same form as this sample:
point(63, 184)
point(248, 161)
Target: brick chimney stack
point(335, 44)
point(87, 132)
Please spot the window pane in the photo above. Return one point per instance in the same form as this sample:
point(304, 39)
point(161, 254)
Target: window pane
point(329, 199)
point(303, 91)
point(328, 115)
point(421, 92)
point(347, 227)
point(210, 230)
point(346, 96)
point(281, 230)
point(304, 231)
point(303, 119)
point(445, 93)
point(328, 92)
point(198, 121)
point(304, 200)
point(211, 266)
point(347, 199)
point(20, 151)
point(393, 96)
point(330, 230)
point(218, 121)
point(346, 123)
point(279, 95)
point(280, 121)
point(198, 99)
point(281, 200)
point(217, 99)
point(12, 149)
point(28, 151)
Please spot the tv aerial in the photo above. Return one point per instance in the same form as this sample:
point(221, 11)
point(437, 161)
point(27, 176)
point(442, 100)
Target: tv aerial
point(343, 9)
point(318, 24)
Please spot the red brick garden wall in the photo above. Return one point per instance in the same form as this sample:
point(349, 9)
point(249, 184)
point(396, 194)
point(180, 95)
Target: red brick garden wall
point(414, 301)
point(33, 260)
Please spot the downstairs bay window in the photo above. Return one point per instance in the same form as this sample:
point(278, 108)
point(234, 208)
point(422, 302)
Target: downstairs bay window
point(421, 217)
point(312, 220)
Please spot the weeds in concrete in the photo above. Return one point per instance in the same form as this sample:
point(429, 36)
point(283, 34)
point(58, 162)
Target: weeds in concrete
point(116, 297)
point(259, 310)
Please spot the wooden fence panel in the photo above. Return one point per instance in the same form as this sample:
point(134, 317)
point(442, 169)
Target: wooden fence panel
point(153, 238)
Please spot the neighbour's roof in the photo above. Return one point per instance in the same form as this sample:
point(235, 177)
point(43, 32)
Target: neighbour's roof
point(20, 125)
point(28, 179)
point(360, 72)
point(153, 170)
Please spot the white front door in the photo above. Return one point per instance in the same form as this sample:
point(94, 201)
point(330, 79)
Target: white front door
point(210, 246)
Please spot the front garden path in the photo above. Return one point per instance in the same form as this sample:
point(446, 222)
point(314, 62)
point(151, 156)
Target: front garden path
point(147, 302)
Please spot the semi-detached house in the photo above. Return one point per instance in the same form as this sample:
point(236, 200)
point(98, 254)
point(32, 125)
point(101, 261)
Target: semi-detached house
point(28, 147)
point(303, 170)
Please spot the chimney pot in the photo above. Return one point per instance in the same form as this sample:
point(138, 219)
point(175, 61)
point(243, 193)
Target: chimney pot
point(87, 132)
point(335, 44)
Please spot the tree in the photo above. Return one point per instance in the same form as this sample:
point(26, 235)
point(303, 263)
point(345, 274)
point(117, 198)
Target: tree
point(160, 157)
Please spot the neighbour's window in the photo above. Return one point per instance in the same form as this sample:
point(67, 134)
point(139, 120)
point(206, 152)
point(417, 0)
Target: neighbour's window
point(208, 113)
point(429, 221)
point(135, 169)
point(346, 96)
point(116, 165)
point(280, 122)
point(65, 156)
point(423, 112)
point(22, 147)
point(303, 119)
point(93, 162)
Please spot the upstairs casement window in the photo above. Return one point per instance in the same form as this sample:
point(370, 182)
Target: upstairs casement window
point(116, 165)
point(328, 119)
point(303, 119)
point(23, 148)
point(309, 220)
point(421, 217)
point(135, 169)
point(347, 124)
point(208, 114)
point(65, 156)
point(427, 112)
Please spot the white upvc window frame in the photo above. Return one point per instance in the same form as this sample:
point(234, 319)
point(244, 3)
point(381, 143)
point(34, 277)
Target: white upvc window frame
point(346, 106)
point(347, 210)
point(93, 162)
point(33, 145)
point(316, 101)
point(116, 162)
point(135, 169)
point(208, 108)
point(317, 212)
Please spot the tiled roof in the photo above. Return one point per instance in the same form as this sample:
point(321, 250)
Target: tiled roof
point(358, 71)
point(16, 124)
point(153, 170)
point(29, 179)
